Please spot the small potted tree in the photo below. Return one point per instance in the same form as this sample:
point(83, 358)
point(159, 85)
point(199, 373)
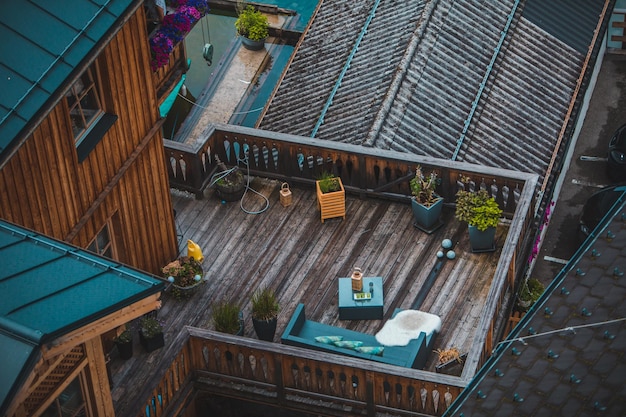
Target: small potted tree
point(331, 196)
point(425, 202)
point(227, 318)
point(253, 27)
point(482, 214)
point(265, 309)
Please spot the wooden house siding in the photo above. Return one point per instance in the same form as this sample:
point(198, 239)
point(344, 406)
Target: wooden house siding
point(44, 186)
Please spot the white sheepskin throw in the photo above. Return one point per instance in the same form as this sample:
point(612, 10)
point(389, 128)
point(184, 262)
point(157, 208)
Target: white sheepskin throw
point(407, 325)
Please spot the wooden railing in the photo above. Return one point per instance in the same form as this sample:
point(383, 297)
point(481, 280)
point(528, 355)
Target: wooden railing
point(364, 171)
point(295, 376)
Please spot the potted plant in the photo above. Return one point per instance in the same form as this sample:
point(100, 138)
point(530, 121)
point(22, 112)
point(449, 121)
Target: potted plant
point(425, 202)
point(228, 318)
point(253, 27)
point(185, 274)
point(151, 333)
point(124, 343)
point(265, 309)
point(530, 292)
point(331, 196)
point(482, 214)
point(230, 184)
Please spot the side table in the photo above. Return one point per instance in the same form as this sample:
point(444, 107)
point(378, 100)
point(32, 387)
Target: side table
point(365, 309)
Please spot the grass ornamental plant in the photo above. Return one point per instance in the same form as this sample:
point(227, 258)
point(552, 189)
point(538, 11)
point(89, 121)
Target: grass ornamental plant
point(252, 24)
point(423, 187)
point(226, 318)
point(478, 209)
point(265, 304)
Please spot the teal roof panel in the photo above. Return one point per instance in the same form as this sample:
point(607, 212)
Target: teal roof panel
point(43, 43)
point(49, 288)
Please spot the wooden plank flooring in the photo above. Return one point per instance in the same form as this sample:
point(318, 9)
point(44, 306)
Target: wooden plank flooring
point(290, 250)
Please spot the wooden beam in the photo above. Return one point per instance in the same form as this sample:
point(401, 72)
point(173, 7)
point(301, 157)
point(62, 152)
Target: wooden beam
point(85, 333)
point(98, 380)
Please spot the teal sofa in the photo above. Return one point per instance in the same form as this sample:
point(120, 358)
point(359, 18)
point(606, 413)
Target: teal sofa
point(302, 332)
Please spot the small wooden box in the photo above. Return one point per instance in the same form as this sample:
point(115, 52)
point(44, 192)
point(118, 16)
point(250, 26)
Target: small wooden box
point(285, 195)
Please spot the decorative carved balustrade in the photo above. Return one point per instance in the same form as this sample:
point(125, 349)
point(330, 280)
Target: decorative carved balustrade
point(364, 171)
point(278, 374)
point(298, 376)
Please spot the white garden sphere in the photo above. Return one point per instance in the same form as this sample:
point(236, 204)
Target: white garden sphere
point(446, 244)
point(440, 254)
point(451, 254)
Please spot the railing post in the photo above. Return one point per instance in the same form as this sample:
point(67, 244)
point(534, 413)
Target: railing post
point(278, 376)
point(369, 398)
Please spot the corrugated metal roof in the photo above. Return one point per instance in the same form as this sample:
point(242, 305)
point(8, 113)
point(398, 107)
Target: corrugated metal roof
point(411, 85)
point(566, 356)
point(560, 17)
point(49, 288)
point(42, 43)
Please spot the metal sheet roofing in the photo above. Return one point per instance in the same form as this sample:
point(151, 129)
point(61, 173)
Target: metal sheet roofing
point(49, 288)
point(480, 82)
point(42, 43)
point(567, 355)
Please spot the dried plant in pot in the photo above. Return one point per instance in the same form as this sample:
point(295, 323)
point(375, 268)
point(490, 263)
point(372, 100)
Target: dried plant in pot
point(230, 183)
point(185, 274)
point(425, 202)
point(265, 310)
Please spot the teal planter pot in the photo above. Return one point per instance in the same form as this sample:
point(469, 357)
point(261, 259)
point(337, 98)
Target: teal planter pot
point(427, 219)
point(482, 241)
point(252, 45)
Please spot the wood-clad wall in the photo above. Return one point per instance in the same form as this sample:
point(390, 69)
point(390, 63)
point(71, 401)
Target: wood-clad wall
point(45, 188)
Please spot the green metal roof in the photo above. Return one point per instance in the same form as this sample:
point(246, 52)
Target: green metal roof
point(49, 288)
point(43, 42)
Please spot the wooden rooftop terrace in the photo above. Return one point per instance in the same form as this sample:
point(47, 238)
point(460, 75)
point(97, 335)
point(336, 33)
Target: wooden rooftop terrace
point(291, 251)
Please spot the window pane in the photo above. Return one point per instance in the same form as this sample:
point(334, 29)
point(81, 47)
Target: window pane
point(78, 125)
point(103, 237)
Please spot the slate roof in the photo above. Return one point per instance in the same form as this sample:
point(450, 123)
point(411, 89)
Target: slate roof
point(405, 76)
point(567, 356)
point(43, 43)
point(49, 288)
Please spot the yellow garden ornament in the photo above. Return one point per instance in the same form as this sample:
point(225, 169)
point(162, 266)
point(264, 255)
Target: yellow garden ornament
point(194, 251)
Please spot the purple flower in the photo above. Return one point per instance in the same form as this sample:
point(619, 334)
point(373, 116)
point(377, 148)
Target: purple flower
point(191, 12)
point(202, 6)
point(161, 47)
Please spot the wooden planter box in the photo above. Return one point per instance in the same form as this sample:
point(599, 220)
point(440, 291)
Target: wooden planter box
point(331, 204)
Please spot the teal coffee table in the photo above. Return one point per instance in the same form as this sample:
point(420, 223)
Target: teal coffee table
point(367, 305)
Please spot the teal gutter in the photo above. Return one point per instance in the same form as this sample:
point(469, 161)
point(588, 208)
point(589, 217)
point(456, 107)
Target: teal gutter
point(496, 52)
point(320, 120)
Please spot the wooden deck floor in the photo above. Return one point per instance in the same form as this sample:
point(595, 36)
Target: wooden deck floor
point(290, 250)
